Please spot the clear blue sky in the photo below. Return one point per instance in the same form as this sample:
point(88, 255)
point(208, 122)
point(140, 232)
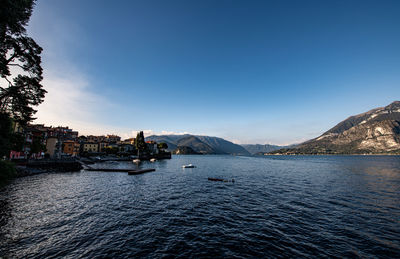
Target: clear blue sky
point(249, 71)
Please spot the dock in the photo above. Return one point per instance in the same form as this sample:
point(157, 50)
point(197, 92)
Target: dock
point(109, 169)
point(130, 171)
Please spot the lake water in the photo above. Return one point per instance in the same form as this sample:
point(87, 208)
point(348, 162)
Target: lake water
point(296, 206)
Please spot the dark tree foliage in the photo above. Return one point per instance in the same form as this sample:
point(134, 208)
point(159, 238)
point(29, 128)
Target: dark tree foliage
point(8, 139)
point(37, 146)
point(111, 150)
point(20, 62)
point(162, 146)
point(5, 135)
point(140, 143)
point(82, 139)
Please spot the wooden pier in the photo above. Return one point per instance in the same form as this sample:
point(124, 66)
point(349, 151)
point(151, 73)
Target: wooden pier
point(110, 169)
point(130, 171)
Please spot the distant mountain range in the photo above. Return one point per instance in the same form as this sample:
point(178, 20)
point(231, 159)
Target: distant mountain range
point(374, 132)
point(261, 149)
point(199, 144)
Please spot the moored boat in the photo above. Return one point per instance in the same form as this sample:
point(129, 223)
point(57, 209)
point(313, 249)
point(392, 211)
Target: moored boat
point(188, 166)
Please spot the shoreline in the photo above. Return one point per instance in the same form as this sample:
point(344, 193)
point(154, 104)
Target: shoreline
point(379, 154)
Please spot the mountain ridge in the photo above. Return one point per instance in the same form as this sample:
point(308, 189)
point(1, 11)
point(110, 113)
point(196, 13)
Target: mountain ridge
point(376, 131)
point(261, 148)
point(200, 144)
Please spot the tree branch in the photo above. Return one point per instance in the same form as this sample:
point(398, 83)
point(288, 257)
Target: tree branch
point(11, 58)
point(9, 82)
point(17, 65)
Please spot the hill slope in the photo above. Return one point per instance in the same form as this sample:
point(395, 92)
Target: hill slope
point(196, 144)
point(258, 148)
point(376, 131)
point(222, 146)
point(200, 144)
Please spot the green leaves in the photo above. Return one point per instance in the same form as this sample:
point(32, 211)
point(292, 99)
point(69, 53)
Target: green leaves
point(23, 90)
point(162, 146)
point(139, 142)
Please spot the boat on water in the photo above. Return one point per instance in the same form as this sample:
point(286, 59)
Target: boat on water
point(153, 160)
point(136, 161)
point(220, 180)
point(188, 166)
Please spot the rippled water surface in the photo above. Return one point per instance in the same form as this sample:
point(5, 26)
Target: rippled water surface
point(325, 206)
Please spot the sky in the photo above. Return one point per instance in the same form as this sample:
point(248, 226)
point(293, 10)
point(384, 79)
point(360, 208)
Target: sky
point(266, 72)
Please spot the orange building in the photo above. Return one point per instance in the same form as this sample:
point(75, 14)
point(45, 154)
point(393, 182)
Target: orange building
point(71, 147)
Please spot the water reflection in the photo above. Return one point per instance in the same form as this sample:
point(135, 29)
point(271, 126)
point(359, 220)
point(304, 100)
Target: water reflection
point(330, 206)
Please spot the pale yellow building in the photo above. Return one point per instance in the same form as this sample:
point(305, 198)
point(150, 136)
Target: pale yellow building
point(51, 143)
point(90, 147)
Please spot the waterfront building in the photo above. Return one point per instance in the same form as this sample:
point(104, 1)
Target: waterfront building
point(129, 141)
point(28, 141)
point(51, 145)
point(96, 139)
point(16, 155)
point(63, 133)
point(102, 146)
point(71, 147)
point(152, 147)
point(90, 147)
point(127, 148)
point(112, 145)
point(113, 138)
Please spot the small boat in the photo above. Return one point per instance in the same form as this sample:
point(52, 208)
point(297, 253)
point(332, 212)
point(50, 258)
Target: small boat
point(136, 161)
point(153, 160)
point(220, 180)
point(215, 179)
point(188, 166)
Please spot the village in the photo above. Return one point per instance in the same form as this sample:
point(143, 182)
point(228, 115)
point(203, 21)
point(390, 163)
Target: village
point(39, 141)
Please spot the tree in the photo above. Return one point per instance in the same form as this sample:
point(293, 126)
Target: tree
point(9, 140)
point(111, 150)
point(37, 146)
point(5, 135)
point(162, 146)
point(20, 89)
point(140, 143)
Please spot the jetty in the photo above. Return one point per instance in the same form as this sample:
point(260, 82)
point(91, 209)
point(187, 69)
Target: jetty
point(55, 165)
point(110, 169)
point(130, 171)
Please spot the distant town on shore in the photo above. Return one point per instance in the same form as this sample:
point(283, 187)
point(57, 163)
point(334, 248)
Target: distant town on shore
point(40, 141)
point(374, 132)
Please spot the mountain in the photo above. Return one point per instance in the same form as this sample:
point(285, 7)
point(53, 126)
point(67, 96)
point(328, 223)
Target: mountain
point(184, 150)
point(258, 148)
point(222, 146)
point(196, 144)
point(170, 140)
point(200, 144)
point(374, 132)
